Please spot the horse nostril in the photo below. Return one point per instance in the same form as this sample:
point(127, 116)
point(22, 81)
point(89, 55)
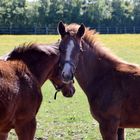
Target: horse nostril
point(63, 75)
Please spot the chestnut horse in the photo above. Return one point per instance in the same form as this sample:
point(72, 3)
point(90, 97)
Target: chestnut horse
point(111, 85)
point(22, 73)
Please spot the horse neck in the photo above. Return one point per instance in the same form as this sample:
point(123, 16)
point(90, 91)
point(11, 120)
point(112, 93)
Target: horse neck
point(42, 67)
point(92, 66)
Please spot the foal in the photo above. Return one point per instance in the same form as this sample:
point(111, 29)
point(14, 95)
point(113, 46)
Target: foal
point(21, 76)
point(112, 86)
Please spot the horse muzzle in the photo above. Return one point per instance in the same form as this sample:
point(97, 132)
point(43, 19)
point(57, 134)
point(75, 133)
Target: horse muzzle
point(69, 93)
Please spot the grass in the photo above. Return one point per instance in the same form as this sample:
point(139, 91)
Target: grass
point(70, 119)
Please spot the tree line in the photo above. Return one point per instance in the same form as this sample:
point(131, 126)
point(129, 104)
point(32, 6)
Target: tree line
point(47, 13)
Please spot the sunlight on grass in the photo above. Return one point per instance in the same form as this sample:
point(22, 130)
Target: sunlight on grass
point(70, 118)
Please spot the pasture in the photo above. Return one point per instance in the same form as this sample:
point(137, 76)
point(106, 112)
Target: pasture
point(69, 118)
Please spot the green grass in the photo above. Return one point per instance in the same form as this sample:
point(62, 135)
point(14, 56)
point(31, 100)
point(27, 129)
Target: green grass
point(69, 118)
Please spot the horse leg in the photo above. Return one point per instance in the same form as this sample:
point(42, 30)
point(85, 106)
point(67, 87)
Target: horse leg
point(109, 130)
point(120, 133)
point(3, 136)
point(26, 131)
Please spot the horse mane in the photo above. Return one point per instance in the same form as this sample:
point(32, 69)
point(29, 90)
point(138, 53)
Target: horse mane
point(33, 57)
point(33, 47)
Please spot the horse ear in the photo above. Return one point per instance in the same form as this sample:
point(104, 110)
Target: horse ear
point(81, 31)
point(61, 29)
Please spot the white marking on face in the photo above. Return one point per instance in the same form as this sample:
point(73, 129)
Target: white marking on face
point(67, 66)
point(66, 69)
point(69, 50)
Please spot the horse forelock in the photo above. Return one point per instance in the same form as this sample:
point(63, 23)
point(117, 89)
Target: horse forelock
point(72, 28)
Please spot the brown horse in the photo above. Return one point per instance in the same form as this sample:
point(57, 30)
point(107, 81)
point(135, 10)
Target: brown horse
point(112, 86)
point(21, 76)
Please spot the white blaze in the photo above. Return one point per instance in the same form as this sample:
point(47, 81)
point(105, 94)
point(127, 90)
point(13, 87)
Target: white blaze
point(69, 50)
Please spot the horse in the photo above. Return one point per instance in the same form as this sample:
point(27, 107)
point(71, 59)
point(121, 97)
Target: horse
point(22, 73)
point(112, 86)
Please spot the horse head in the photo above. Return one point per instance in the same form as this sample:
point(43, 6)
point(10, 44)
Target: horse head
point(70, 47)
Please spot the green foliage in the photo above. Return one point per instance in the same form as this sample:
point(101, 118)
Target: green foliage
point(136, 12)
point(55, 12)
point(12, 12)
point(22, 13)
point(122, 12)
point(43, 11)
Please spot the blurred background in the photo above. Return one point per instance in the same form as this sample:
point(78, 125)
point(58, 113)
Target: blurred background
point(42, 16)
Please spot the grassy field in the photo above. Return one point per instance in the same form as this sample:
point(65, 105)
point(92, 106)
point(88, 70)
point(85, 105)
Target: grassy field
point(70, 119)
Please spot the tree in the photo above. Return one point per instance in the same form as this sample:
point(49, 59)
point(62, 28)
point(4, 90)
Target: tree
point(31, 14)
point(43, 10)
point(136, 12)
point(95, 13)
point(73, 11)
point(22, 13)
point(55, 13)
point(12, 12)
point(122, 13)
